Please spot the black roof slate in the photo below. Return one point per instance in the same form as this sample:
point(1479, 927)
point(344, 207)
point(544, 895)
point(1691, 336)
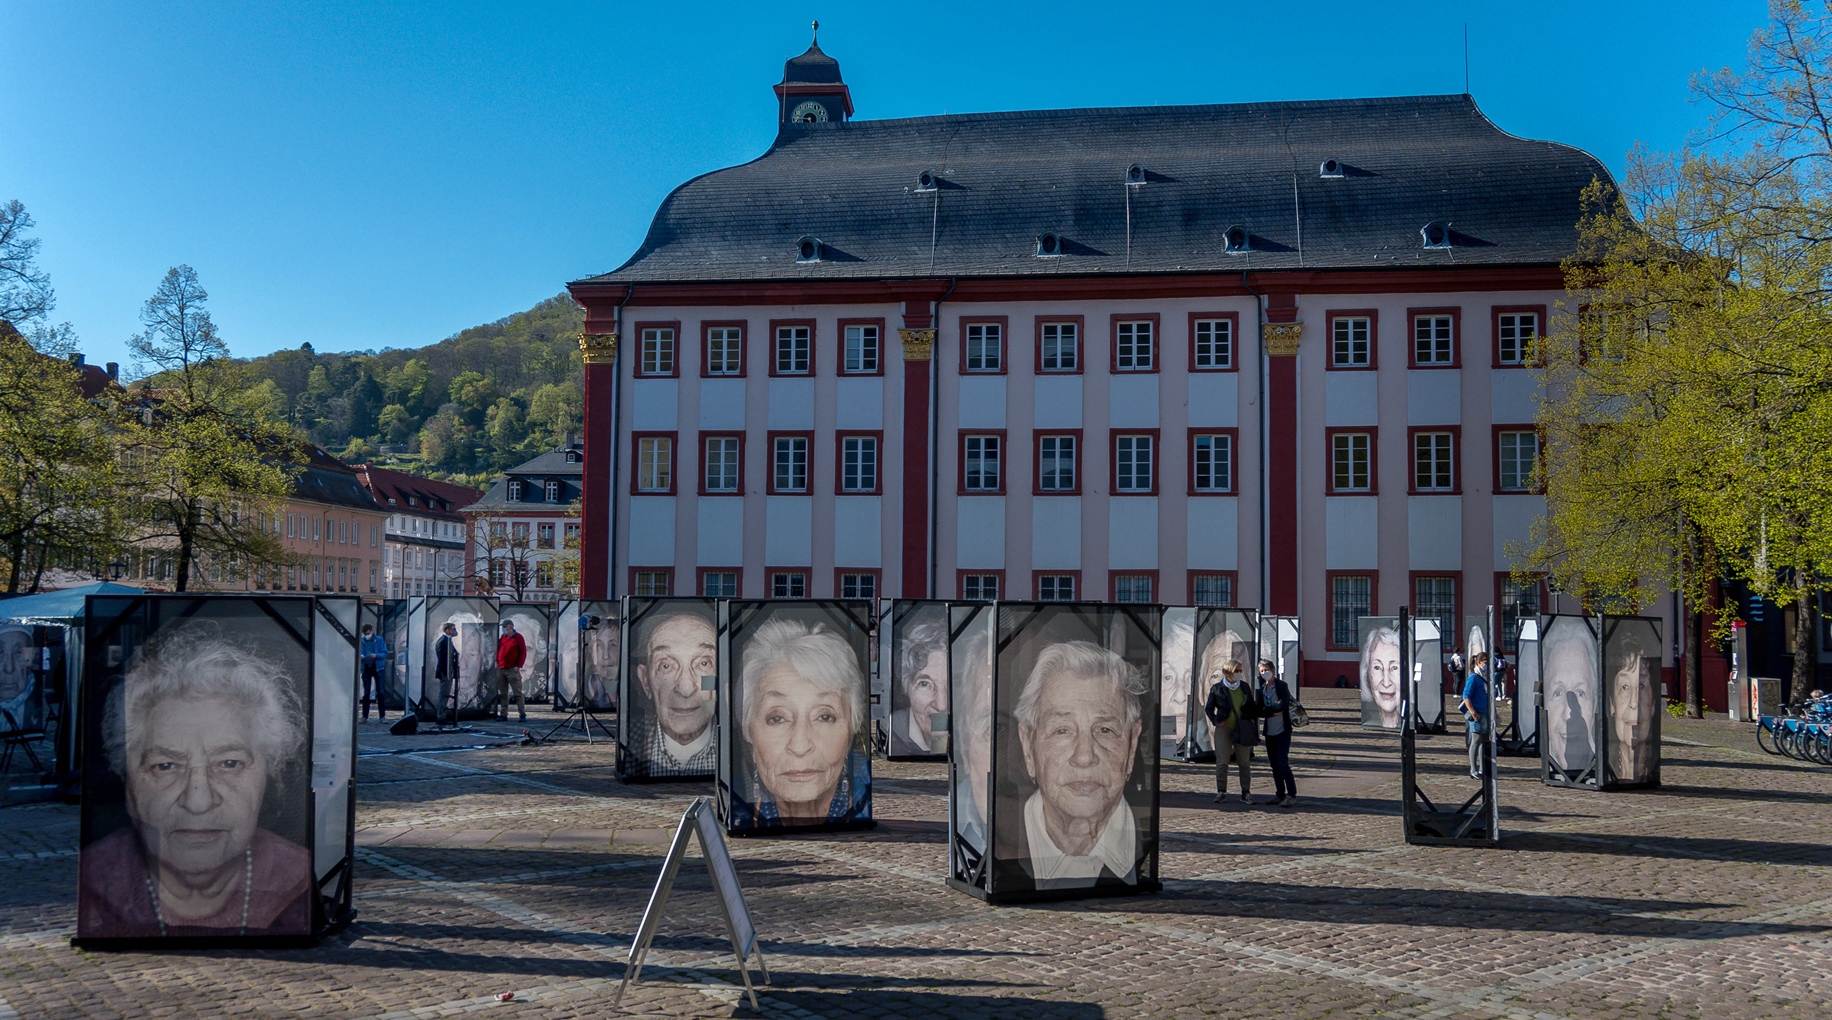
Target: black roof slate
point(1008, 177)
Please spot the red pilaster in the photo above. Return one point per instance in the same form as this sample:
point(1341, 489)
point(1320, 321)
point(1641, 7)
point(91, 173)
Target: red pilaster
point(918, 335)
point(598, 345)
point(1282, 452)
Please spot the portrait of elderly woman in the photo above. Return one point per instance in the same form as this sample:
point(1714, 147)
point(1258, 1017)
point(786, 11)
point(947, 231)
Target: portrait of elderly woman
point(973, 664)
point(20, 706)
point(1079, 721)
point(1632, 658)
point(919, 688)
point(202, 732)
point(1568, 681)
point(1175, 666)
point(1380, 678)
point(800, 716)
point(1218, 651)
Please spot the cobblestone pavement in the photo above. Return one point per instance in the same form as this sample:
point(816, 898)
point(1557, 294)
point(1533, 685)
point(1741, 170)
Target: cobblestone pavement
point(491, 868)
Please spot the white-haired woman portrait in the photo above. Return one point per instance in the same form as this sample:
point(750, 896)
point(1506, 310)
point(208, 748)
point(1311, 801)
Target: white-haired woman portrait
point(802, 698)
point(200, 731)
point(922, 678)
point(18, 680)
point(1380, 679)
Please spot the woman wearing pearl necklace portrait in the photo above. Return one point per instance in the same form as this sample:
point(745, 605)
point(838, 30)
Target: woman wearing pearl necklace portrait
point(201, 732)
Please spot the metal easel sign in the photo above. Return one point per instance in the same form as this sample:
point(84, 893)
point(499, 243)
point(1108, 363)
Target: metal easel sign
point(698, 818)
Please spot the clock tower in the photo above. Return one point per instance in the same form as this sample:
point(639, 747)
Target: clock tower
point(811, 91)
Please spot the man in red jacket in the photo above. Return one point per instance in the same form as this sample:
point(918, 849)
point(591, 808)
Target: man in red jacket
point(511, 652)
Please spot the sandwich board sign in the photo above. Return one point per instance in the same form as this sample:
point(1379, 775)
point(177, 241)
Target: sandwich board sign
point(700, 819)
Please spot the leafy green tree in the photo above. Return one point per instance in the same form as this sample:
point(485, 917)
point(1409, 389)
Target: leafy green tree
point(212, 468)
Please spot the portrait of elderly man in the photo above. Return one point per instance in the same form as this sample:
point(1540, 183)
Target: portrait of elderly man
point(19, 704)
point(1569, 691)
point(1174, 679)
point(1634, 698)
point(201, 731)
point(1078, 719)
point(800, 751)
point(604, 649)
point(1380, 679)
point(973, 667)
point(922, 685)
point(674, 649)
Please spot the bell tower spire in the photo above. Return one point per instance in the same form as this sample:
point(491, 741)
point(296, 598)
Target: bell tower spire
point(811, 90)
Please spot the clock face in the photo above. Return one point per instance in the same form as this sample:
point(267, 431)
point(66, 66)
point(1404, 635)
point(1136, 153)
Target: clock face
point(809, 113)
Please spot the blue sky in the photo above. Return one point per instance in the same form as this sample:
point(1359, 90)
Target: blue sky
point(370, 175)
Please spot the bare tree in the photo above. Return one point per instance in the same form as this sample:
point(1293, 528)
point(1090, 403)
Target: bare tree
point(25, 290)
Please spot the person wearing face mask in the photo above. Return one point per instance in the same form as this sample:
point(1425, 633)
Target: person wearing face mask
point(1275, 708)
point(1232, 710)
point(1475, 711)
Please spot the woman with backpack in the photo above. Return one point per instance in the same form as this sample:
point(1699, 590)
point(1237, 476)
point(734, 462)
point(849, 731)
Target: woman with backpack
point(1233, 713)
point(1275, 704)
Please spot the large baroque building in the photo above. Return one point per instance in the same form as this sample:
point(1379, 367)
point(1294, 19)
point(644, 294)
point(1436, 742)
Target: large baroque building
point(1275, 355)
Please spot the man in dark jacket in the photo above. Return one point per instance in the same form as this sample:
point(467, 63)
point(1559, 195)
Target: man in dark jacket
point(445, 667)
point(511, 652)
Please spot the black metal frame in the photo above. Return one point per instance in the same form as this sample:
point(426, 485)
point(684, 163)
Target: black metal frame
point(1509, 740)
point(1248, 625)
point(332, 908)
point(630, 766)
point(1477, 821)
point(735, 617)
point(979, 877)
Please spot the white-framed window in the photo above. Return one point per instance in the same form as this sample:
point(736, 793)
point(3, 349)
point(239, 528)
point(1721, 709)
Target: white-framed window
point(518, 532)
point(1351, 597)
point(1433, 340)
point(1213, 467)
point(1515, 334)
point(1132, 346)
point(1132, 588)
point(859, 464)
point(985, 347)
point(653, 583)
point(1214, 341)
point(722, 464)
point(553, 492)
point(862, 349)
point(1061, 343)
point(1433, 461)
point(1518, 459)
point(1213, 589)
point(515, 491)
point(657, 351)
point(858, 586)
point(788, 584)
point(654, 464)
point(1056, 588)
point(791, 464)
point(980, 587)
point(544, 536)
point(1056, 462)
point(794, 350)
point(980, 463)
point(1350, 345)
point(725, 350)
point(1350, 454)
point(719, 584)
point(1133, 463)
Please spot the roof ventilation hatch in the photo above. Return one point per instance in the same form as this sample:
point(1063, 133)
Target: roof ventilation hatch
point(1238, 241)
point(809, 249)
point(1436, 234)
point(1330, 169)
point(1048, 246)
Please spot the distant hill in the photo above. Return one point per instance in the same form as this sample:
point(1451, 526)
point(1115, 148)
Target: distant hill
point(462, 409)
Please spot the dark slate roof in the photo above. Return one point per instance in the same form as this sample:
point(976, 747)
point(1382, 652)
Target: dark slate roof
point(1008, 177)
point(811, 68)
point(534, 474)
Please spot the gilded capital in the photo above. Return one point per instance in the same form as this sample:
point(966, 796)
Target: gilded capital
point(1281, 338)
point(918, 344)
point(598, 348)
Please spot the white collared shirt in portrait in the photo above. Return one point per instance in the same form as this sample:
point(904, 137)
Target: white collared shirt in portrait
point(1116, 850)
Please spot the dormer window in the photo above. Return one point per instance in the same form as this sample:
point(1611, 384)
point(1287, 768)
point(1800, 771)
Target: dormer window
point(515, 491)
point(1049, 246)
point(553, 491)
point(1135, 175)
point(1238, 241)
point(572, 456)
point(412, 502)
point(1436, 234)
point(1330, 169)
point(809, 249)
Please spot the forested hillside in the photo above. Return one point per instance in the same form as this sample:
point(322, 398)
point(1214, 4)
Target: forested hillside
point(463, 408)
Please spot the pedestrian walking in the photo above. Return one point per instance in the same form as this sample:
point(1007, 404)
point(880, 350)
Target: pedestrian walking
point(1475, 712)
point(445, 666)
point(1232, 713)
point(1275, 707)
point(375, 657)
point(511, 652)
